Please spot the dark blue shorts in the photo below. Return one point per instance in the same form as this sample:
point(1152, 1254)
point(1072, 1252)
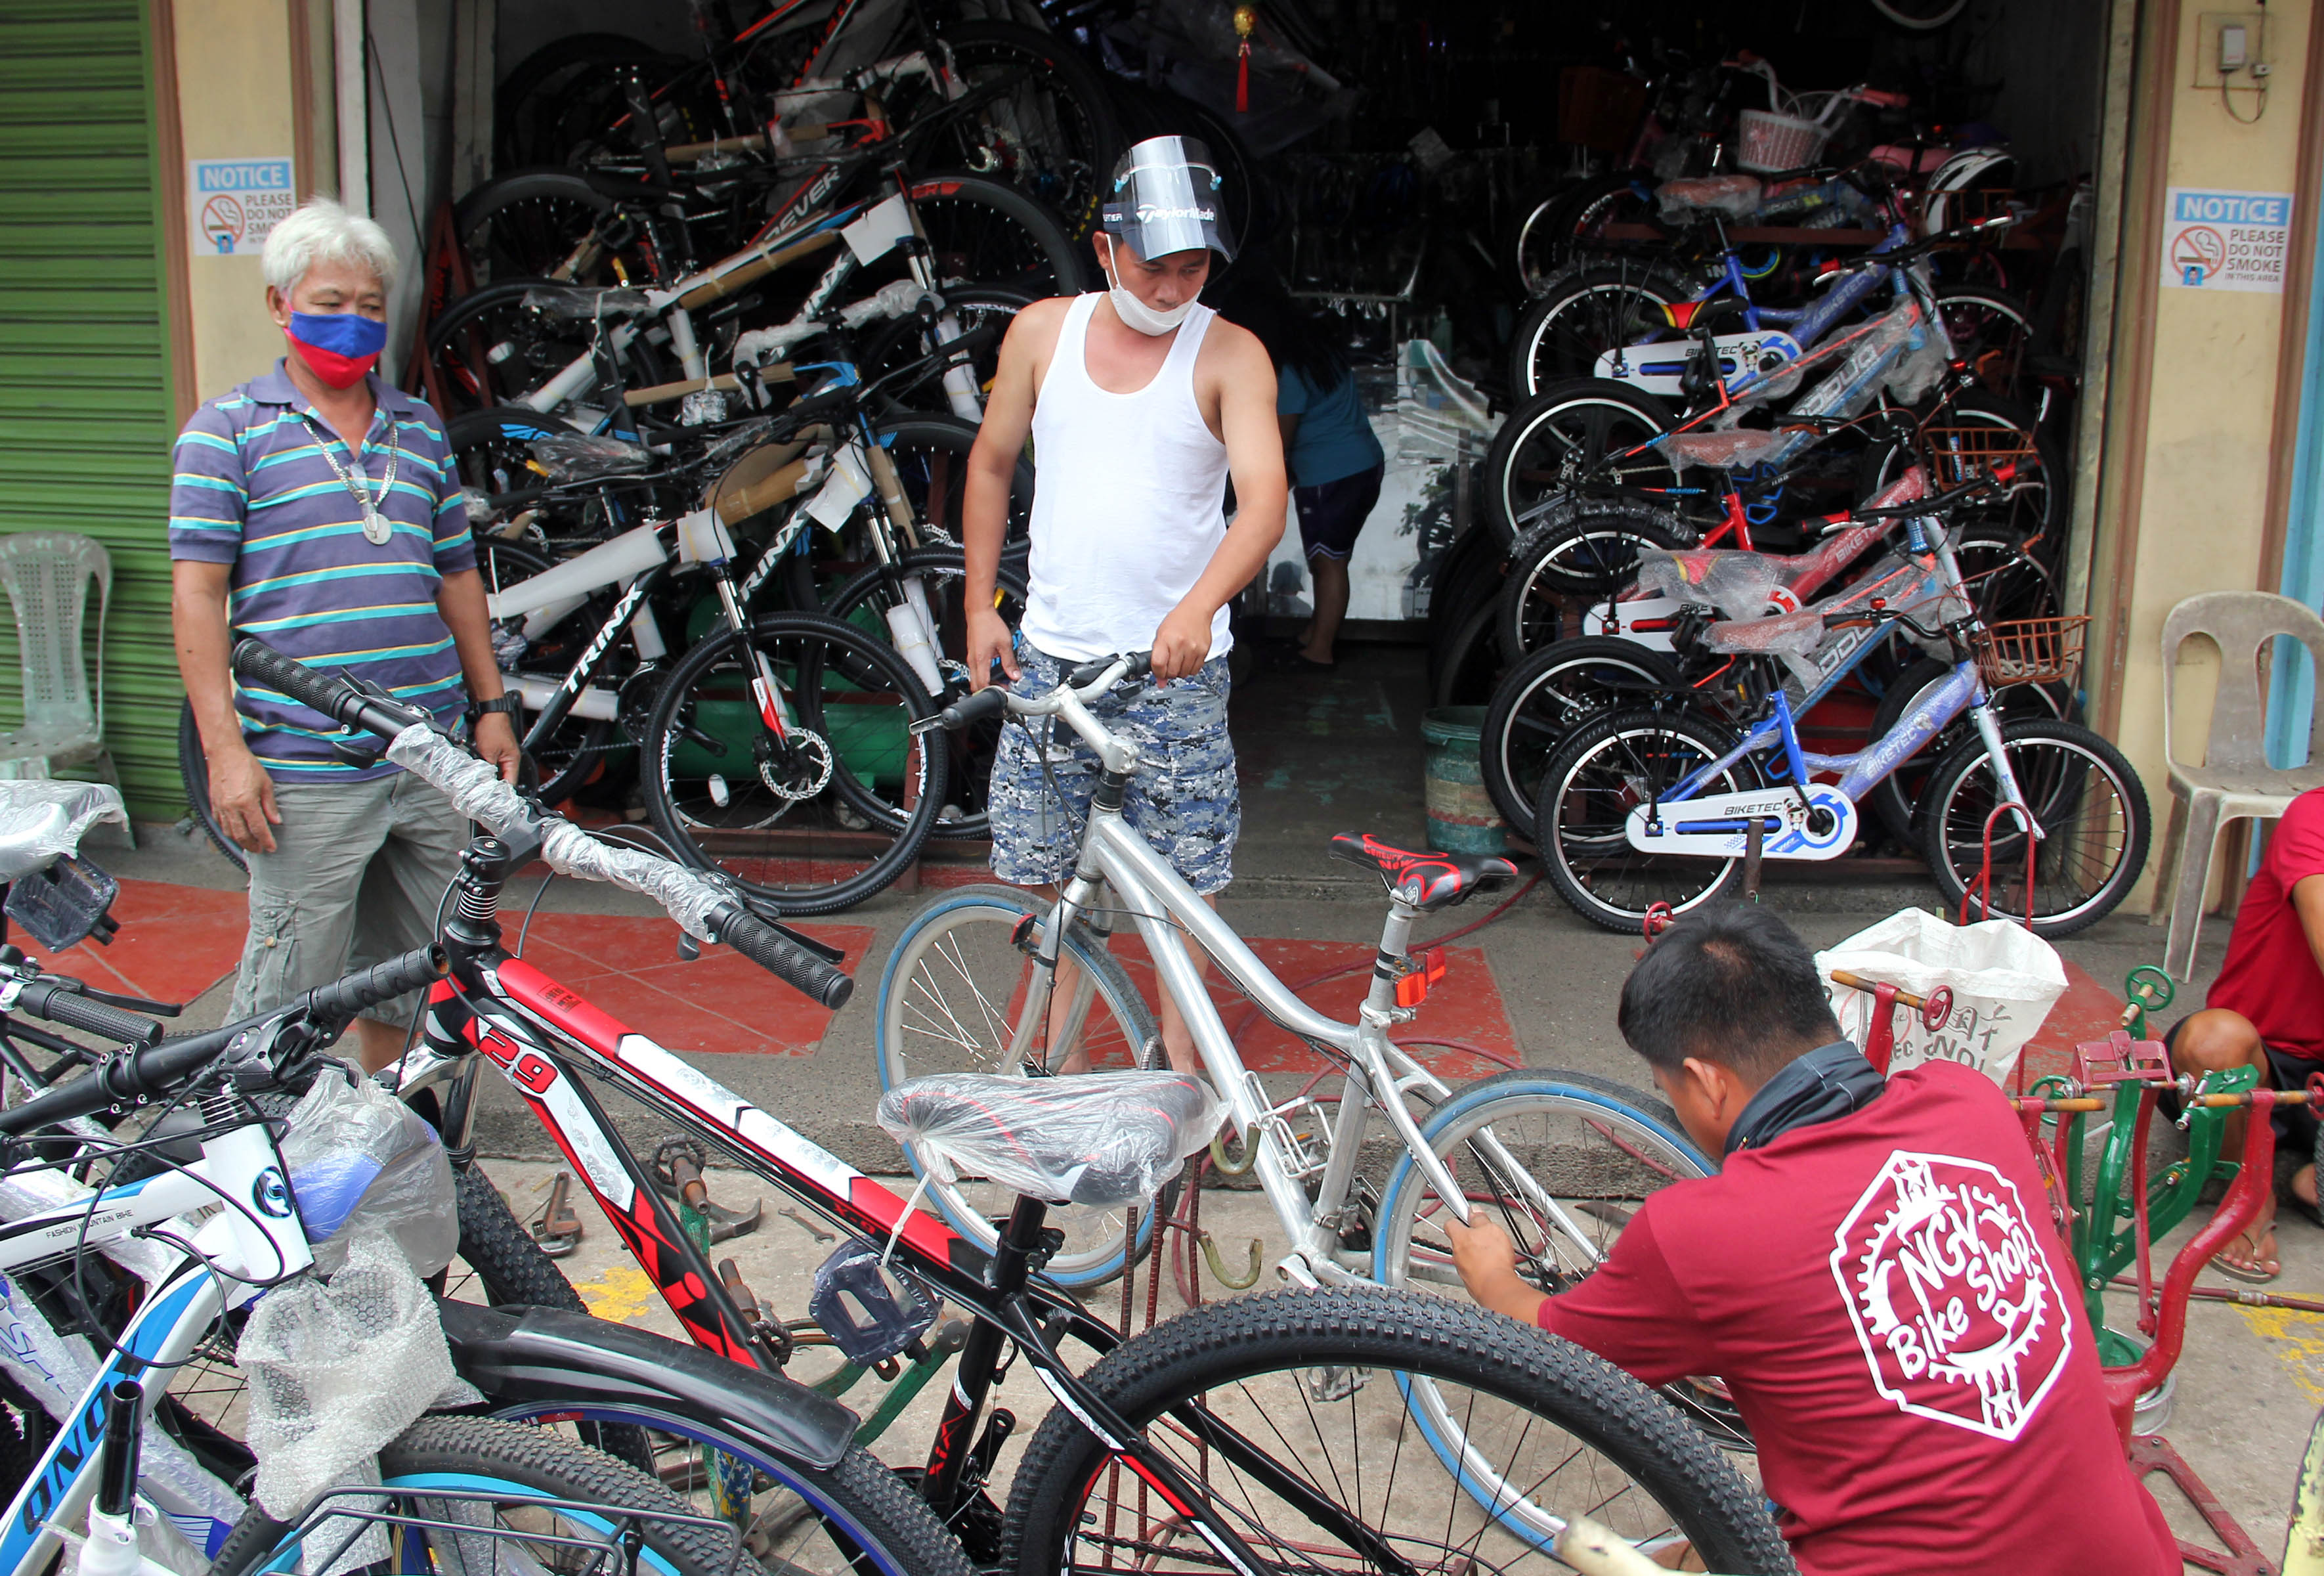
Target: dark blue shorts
point(1330, 515)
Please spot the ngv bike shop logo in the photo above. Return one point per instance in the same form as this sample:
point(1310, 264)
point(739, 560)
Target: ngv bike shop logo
point(1952, 1296)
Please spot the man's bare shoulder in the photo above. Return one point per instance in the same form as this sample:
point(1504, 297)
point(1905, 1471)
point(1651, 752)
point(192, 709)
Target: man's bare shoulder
point(1232, 352)
point(1036, 326)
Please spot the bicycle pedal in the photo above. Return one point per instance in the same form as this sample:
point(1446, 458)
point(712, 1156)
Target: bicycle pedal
point(871, 1314)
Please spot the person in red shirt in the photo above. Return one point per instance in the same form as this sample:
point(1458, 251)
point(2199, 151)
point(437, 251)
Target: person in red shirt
point(1874, 1273)
point(2266, 1010)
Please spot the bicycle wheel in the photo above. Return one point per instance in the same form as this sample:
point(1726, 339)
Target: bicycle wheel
point(1543, 697)
point(983, 232)
point(1896, 801)
point(826, 812)
point(547, 224)
point(2089, 804)
point(1579, 434)
point(518, 1470)
point(1470, 661)
point(2033, 510)
point(1581, 548)
point(1321, 1390)
point(1577, 224)
point(905, 343)
point(1992, 333)
point(1588, 311)
point(1606, 767)
point(943, 576)
point(1563, 1161)
point(194, 771)
point(950, 999)
point(1043, 120)
point(490, 348)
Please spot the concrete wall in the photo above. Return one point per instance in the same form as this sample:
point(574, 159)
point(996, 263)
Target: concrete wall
point(2185, 498)
point(235, 98)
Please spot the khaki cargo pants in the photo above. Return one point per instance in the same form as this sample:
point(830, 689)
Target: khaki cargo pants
point(356, 877)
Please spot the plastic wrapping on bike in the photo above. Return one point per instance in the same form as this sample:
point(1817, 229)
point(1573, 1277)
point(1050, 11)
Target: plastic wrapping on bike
point(40, 821)
point(583, 303)
point(1098, 1138)
point(1739, 449)
point(1738, 583)
point(476, 791)
point(1784, 635)
point(1732, 197)
point(572, 456)
point(361, 1160)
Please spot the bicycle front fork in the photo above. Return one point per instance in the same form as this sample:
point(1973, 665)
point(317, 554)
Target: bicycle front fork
point(1989, 728)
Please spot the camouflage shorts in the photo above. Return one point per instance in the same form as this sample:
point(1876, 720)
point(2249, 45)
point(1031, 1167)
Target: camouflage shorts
point(1183, 801)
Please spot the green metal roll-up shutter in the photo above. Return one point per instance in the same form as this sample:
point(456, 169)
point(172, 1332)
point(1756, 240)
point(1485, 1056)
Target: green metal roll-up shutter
point(86, 418)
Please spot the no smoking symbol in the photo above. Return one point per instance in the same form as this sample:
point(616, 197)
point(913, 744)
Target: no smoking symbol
point(2196, 252)
point(222, 222)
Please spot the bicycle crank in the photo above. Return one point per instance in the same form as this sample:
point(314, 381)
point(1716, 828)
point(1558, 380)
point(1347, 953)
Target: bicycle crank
point(1824, 828)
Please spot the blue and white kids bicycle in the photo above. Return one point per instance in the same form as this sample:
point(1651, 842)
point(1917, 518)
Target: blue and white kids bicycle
point(2037, 820)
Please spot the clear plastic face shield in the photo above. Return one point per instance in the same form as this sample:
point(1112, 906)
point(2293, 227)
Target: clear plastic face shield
point(1165, 199)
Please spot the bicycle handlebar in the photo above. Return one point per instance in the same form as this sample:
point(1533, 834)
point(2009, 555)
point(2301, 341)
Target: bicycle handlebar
point(1087, 681)
point(702, 906)
point(60, 1003)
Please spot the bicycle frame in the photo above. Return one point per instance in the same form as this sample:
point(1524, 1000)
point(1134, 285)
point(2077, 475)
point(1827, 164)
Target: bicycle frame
point(258, 1235)
point(541, 1036)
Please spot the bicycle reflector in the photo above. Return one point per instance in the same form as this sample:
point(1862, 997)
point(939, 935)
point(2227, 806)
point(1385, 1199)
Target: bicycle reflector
point(1423, 969)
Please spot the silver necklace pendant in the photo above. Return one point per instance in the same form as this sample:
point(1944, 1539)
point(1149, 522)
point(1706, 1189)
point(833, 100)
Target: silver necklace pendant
point(375, 528)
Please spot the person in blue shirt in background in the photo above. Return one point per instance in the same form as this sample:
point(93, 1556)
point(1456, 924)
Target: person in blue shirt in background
point(1335, 462)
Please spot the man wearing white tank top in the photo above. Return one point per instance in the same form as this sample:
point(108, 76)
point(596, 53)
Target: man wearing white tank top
point(1140, 403)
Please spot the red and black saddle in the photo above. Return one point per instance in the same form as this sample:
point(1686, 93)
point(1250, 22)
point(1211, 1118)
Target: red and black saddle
point(1428, 881)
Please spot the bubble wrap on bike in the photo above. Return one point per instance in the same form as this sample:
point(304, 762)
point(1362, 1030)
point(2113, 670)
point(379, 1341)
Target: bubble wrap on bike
point(340, 1366)
point(1736, 582)
point(571, 456)
point(1098, 1138)
point(582, 303)
point(476, 791)
point(1739, 449)
point(1733, 197)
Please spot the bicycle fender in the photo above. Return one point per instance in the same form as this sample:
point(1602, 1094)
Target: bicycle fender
point(548, 1355)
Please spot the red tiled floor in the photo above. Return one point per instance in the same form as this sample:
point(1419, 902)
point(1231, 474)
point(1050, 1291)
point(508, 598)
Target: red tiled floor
point(720, 1002)
point(175, 941)
point(1465, 1005)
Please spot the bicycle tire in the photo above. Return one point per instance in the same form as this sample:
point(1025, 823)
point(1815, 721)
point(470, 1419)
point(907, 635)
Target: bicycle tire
point(471, 379)
point(1469, 572)
point(2036, 513)
point(1991, 330)
point(1072, 179)
point(1587, 310)
point(905, 342)
point(1426, 1344)
point(1610, 1144)
point(1946, 11)
point(1577, 225)
point(1048, 263)
point(439, 1452)
point(902, 832)
point(530, 223)
point(1127, 1038)
point(194, 771)
point(1575, 781)
point(1582, 547)
point(970, 760)
point(1517, 735)
point(1561, 440)
point(1469, 663)
point(1954, 847)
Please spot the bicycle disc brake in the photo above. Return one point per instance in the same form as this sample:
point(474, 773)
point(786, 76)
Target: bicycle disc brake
point(800, 768)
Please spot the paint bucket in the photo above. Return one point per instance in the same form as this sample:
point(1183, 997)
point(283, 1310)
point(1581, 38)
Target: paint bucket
point(1461, 818)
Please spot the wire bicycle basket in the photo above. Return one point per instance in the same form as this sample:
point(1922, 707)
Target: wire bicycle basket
point(2031, 651)
point(1959, 454)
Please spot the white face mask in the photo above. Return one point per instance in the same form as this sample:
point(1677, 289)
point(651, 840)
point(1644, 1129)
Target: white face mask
point(1135, 313)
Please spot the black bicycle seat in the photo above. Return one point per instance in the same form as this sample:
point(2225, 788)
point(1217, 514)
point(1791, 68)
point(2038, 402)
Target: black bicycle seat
point(1429, 881)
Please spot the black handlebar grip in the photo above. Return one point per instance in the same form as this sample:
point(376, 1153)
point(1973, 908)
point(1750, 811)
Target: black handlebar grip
point(326, 692)
point(784, 959)
point(352, 996)
point(57, 1004)
point(986, 703)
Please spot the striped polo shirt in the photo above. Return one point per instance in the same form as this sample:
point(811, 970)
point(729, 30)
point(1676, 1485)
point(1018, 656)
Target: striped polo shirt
point(254, 489)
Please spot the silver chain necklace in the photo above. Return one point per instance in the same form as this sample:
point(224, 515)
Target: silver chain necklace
point(376, 527)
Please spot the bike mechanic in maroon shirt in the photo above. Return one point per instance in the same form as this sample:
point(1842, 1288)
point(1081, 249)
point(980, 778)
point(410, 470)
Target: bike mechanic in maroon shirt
point(1873, 1271)
point(2266, 1010)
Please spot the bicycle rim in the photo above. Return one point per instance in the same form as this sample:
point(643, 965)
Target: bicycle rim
point(1544, 699)
point(2092, 814)
point(950, 998)
point(1589, 789)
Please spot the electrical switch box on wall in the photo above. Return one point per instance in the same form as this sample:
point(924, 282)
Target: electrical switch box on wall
point(2231, 50)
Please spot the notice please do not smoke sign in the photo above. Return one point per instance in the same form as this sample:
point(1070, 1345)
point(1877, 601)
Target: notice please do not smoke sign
point(2226, 240)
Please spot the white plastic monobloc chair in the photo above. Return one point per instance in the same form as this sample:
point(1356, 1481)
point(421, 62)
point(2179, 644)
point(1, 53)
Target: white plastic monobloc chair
point(2235, 781)
point(47, 576)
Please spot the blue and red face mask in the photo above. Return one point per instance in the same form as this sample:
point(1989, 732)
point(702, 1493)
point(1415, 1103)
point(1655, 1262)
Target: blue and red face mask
point(340, 347)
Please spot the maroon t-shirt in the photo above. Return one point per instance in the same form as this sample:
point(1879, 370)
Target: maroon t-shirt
point(1886, 1298)
point(2271, 975)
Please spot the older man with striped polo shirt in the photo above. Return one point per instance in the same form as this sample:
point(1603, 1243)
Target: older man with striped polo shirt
point(319, 509)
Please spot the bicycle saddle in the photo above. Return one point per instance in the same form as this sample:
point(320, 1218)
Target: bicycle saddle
point(1101, 1139)
point(41, 822)
point(1428, 881)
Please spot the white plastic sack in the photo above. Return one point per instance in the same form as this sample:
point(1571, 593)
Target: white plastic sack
point(338, 1368)
point(2004, 979)
point(360, 1160)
